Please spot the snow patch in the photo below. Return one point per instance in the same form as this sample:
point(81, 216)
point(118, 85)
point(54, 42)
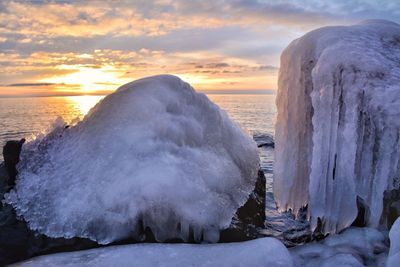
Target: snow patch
point(338, 128)
point(153, 154)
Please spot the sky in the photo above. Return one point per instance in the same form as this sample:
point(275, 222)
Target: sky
point(93, 47)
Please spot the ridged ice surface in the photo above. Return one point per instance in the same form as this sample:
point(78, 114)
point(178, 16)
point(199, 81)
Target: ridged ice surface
point(153, 154)
point(338, 124)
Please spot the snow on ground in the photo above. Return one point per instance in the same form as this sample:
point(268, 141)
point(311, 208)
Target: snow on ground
point(153, 154)
point(337, 131)
point(268, 252)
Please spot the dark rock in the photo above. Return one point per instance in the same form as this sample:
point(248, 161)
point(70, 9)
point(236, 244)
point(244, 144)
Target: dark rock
point(264, 140)
point(253, 211)
point(301, 233)
point(13, 233)
point(394, 212)
point(363, 213)
point(11, 153)
point(318, 233)
point(3, 179)
point(250, 217)
point(391, 207)
point(18, 242)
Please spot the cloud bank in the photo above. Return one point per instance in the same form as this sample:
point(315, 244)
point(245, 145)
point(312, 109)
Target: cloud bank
point(213, 45)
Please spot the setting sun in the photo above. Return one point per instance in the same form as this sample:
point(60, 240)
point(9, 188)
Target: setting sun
point(89, 79)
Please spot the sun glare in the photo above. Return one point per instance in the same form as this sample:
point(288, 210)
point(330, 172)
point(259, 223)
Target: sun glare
point(84, 103)
point(89, 79)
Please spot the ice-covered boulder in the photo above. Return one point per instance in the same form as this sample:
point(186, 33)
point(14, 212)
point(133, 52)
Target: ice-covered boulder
point(394, 252)
point(267, 252)
point(153, 155)
point(338, 127)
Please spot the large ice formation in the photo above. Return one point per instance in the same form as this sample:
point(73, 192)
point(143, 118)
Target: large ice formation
point(338, 123)
point(267, 252)
point(394, 252)
point(153, 154)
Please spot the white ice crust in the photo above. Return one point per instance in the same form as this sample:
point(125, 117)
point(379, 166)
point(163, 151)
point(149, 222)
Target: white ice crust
point(267, 252)
point(355, 247)
point(338, 123)
point(394, 252)
point(153, 154)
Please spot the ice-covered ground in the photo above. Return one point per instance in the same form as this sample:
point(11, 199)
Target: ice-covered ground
point(337, 132)
point(153, 154)
point(267, 252)
point(355, 247)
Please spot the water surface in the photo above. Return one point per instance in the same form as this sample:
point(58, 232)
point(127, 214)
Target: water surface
point(26, 117)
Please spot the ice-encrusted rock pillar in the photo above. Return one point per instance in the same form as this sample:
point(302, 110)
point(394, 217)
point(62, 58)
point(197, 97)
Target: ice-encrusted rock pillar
point(338, 125)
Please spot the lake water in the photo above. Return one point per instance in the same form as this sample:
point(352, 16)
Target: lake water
point(26, 117)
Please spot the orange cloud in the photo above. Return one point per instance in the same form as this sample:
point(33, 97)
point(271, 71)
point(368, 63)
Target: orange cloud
point(105, 70)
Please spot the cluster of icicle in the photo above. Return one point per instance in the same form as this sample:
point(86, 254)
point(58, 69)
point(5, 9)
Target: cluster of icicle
point(338, 124)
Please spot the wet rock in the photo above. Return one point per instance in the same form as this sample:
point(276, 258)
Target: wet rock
point(250, 217)
point(264, 140)
point(363, 213)
point(13, 233)
point(253, 211)
point(18, 242)
point(391, 207)
point(11, 152)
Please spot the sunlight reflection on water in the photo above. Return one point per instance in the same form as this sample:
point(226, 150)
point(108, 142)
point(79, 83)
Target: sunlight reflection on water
point(83, 103)
point(26, 117)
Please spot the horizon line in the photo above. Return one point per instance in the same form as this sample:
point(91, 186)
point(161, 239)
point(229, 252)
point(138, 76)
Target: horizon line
point(207, 92)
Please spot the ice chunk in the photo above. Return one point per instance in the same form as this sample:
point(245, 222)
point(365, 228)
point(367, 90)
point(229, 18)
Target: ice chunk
point(338, 127)
point(153, 154)
point(394, 252)
point(267, 252)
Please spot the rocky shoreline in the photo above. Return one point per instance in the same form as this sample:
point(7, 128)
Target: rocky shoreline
point(18, 242)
